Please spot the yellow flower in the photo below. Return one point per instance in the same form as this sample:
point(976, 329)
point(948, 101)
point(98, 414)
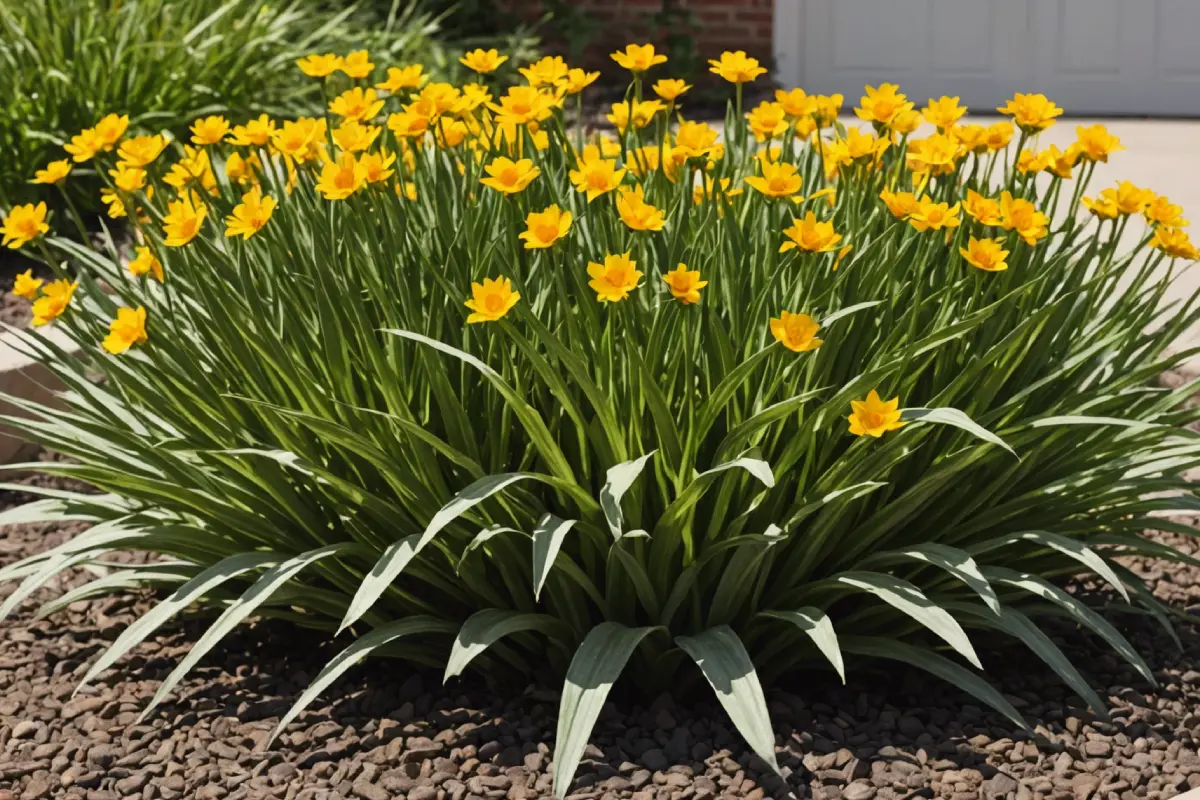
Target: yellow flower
point(145, 262)
point(522, 105)
point(110, 130)
point(1096, 143)
point(684, 284)
point(354, 137)
point(474, 95)
point(985, 254)
point(880, 106)
point(642, 160)
point(342, 178)
point(943, 112)
point(998, 135)
point(116, 207)
point(934, 216)
point(1164, 213)
point(796, 103)
point(250, 215)
point(491, 300)
point(845, 251)
point(128, 329)
point(1031, 112)
point(1061, 162)
point(452, 133)
point(128, 179)
point(643, 113)
point(712, 190)
point(778, 180)
point(826, 109)
point(255, 133)
point(767, 120)
point(407, 124)
point(84, 145)
point(1175, 243)
point(26, 285)
point(873, 416)
point(638, 57)
point(544, 228)
point(24, 224)
point(401, 78)
point(695, 139)
point(811, 235)
point(209, 130)
point(141, 151)
point(577, 80)
point(1030, 162)
point(1022, 216)
point(483, 61)
point(546, 71)
point(300, 140)
point(905, 122)
point(357, 104)
point(319, 66)
point(972, 138)
point(183, 220)
point(984, 210)
point(376, 167)
point(937, 154)
point(636, 213)
point(1132, 199)
point(1103, 205)
point(55, 172)
point(614, 279)
point(508, 176)
point(796, 332)
point(901, 204)
point(669, 89)
point(859, 146)
point(736, 67)
point(55, 298)
point(195, 167)
point(596, 176)
point(357, 64)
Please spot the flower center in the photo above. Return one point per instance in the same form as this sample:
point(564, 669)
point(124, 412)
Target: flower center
point(493, 302)
point(546, 232)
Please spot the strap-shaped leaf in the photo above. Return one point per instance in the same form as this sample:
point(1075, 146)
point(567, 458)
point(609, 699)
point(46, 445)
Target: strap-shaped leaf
point(1068, 547)
point(817, 626)
point(530, 419)
point(750, 461)
point(356, 652)
point(389, 566)
point(548, 537)
point(480, 539)
point(1076, 609)
point(846, 494)
point(43, 571)
point(944, 668)
point(724, 661)
point(596, 666)
point(739, 576)
point(1075, 419)
point(904, 597)
point(484, 628)
point(847, 311)
point(154, 574)
point(48, 509)
point(180, 599)
point(618, 481)
point(466, 499)
point(238, 611)
point(1019, 626)
point(954, 418)
point(957, 562)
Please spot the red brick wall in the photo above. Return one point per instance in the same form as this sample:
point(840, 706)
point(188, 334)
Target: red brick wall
point(709, 26)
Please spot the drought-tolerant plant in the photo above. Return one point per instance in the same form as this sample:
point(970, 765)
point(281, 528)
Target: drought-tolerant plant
point(472, 390)
point(66, 63)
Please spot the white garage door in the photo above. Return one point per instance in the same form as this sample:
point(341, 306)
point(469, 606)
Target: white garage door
point(1089, 56)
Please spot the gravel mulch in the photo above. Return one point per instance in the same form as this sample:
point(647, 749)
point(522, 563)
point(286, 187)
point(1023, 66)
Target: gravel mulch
point(387, 732)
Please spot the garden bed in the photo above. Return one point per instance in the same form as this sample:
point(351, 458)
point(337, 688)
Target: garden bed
point(386, 732)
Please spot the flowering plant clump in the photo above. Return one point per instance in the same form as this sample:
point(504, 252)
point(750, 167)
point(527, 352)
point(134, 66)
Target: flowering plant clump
point(441, 374)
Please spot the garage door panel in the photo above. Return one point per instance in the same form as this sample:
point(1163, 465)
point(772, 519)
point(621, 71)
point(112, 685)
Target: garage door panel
point(929, 47)
point(1089, 56)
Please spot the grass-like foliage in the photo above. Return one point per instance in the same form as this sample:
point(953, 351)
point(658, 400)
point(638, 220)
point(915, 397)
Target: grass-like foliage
point(64, 64)
point(478, 393)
